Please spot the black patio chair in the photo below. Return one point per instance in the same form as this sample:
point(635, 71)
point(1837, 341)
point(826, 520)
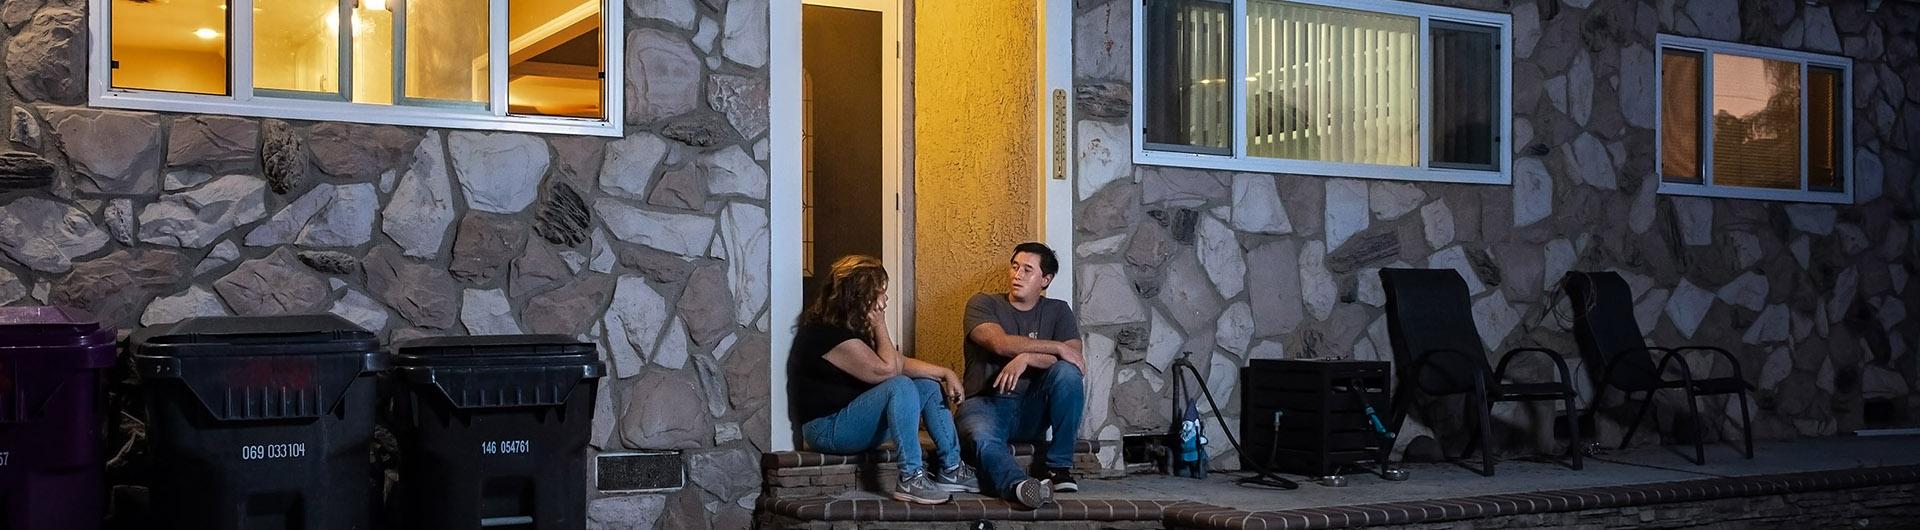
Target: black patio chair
point(1437, 350)
point(1610, 337)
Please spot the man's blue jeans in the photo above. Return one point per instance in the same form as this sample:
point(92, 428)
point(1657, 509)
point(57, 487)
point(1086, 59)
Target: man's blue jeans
point(891, 410)
point(991, 420)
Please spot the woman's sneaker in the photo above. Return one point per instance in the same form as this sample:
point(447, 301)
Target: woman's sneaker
point(960, 479)
point(1031, 493)
point(919, 488)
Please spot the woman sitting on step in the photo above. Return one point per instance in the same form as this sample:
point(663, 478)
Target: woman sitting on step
point(852, 389)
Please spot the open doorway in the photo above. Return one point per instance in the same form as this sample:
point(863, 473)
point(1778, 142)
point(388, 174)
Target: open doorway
point(972, 148)
point(852, 176)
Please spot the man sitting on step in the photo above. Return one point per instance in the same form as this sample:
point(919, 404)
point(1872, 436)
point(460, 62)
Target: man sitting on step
point(1023, 378)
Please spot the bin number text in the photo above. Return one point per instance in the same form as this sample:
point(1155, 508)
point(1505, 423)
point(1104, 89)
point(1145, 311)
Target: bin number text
point(273, 451)
point(3, 457)
point(506, 447)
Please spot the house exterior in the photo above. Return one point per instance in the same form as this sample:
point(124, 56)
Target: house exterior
point(645, 216)
point(1220, 257)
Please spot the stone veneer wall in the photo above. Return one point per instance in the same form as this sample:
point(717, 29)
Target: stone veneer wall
point(1234, 266)
point(654, 245)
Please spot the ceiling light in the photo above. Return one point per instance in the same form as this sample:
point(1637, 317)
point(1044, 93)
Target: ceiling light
point(206, 33)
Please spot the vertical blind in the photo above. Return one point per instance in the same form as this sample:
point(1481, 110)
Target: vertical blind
point(1189, 74)
point(1824, 160)
point(1332, 85)
point(1680, 95)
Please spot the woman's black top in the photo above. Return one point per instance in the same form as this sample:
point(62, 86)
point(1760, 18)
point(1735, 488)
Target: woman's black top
point(815, 386)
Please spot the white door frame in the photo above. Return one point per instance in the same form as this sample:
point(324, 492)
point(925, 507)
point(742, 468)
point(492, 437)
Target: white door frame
point(1055, 220)
point(1055, 134)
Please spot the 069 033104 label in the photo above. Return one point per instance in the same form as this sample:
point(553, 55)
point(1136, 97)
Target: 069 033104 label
point(506, 447)
point(273, 451)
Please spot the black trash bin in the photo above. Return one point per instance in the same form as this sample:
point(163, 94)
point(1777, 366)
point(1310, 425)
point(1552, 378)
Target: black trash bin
point(493, 431)
point(260, 422)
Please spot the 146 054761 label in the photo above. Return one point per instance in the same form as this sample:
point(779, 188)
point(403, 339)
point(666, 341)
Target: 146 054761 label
point(506, 447)
point(273, 451)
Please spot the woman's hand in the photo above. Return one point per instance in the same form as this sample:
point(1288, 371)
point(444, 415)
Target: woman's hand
point(1009, 378)
point(877, 320)
point(951, 384)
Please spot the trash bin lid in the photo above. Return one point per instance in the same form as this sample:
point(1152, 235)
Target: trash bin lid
point(263, 335)
point(494, 350)
point(92, 351)
point(45, 325)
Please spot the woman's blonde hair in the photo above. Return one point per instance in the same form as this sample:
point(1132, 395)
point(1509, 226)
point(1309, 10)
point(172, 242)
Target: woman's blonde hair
point(849, 291)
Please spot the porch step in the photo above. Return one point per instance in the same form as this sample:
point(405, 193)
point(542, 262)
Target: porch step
point(1868, 497)
point(795, 474)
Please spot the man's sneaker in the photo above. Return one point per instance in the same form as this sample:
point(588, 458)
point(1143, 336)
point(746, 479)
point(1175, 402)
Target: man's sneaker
point(919, 488)
point(1062, 481)
point(960, 479)
point(1031, 493)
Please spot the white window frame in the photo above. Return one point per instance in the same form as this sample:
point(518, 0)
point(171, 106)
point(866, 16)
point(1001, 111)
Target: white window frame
point(243, 101)
point(1706, 48)
point(1425, 171)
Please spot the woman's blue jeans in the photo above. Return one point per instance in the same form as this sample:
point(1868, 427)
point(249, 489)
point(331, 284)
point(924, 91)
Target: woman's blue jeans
point(892, 410)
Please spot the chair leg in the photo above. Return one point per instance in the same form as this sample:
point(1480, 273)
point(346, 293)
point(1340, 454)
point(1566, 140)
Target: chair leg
point(1484, 409)
point(1473, 431)
point(1645, 405)
point(1398, 412)
point(1699, 430)
point(1746, 424)
point(1598, 401)
point(1402, 401)
point(1574, 444)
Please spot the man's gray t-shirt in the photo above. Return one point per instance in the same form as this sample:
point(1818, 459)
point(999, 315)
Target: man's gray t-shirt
point(1049, 319)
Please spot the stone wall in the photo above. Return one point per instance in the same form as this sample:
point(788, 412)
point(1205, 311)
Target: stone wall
point(1239, 266)
point(654, 245)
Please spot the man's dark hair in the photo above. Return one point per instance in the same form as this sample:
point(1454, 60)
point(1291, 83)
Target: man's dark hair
point(1049, 264)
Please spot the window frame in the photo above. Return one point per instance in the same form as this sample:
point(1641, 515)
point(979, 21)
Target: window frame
point(1425, 171)
point(1708, 48)
point(244, 100)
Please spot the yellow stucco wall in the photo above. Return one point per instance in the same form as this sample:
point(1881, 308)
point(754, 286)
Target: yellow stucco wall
point(975, 158)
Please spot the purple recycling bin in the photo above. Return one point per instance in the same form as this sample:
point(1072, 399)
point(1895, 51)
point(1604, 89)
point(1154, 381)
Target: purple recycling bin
point(50, 425)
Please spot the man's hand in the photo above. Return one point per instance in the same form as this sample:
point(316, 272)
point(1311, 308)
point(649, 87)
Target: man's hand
point(1009, 378)
point(1071, 355)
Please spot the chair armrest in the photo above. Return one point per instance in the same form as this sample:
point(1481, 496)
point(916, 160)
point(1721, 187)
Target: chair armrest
point(1724, 354)
point(1566, 376)
point(1686, 371)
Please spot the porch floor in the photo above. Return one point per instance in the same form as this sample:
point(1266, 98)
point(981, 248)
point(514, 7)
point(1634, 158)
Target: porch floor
point(1430, 481)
